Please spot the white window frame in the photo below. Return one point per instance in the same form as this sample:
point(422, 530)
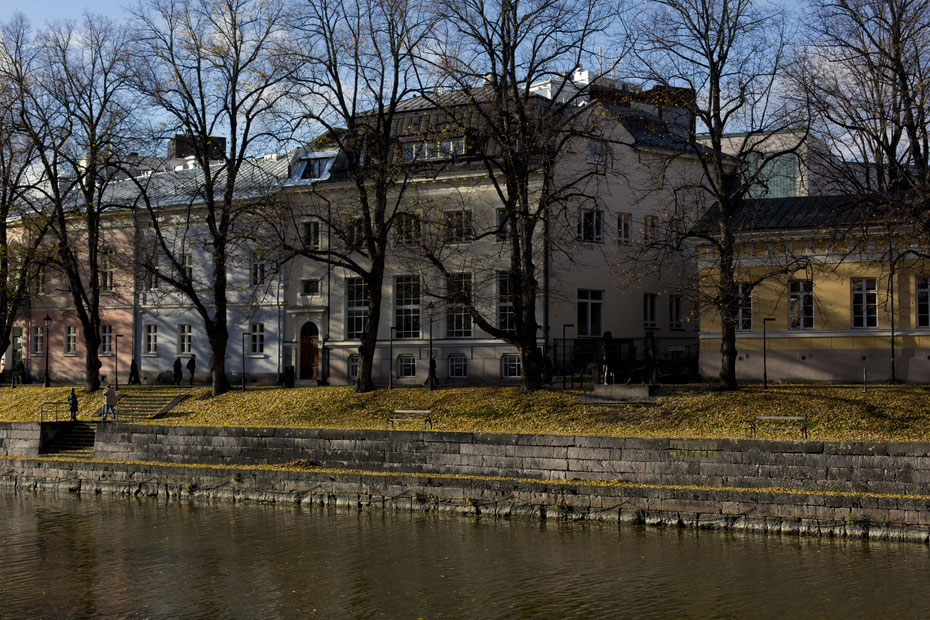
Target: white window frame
point(303, 287)
point(863, 309)
point(649, 228)
point(458, 366)
point(40, 280)
point(590, 304)
point(311, 234)
point(506, 317)
point(187, 266)
point(744, 312)
point(356, 292)
point(675, 315)
point(407, 307)
point(106, 340)
point(503, 225)
point(511, 367)
point(624, 228)
point(590, 225)
point(256, 338)
point(650, 305)
point(922, 301)
point(70, 343)
point(185, 339)
point(151, 339)
point(106, 269)
point(37, 338)
point(459, 226)
point(406, 230)
point(801, 303)
point(406, 366)
point(352, 367)
point(256, 271)
point(458, 319)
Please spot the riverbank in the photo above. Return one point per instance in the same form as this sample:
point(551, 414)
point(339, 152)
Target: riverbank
point(883, 413)
point(850, 489)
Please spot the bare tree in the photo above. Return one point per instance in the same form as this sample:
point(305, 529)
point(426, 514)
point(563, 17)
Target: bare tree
point(506, 82)
point(362, 60)
point(70, 103)
point(215, 74)
point(731, 54)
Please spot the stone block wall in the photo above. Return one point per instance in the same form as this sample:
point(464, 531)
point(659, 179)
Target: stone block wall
point(815, 466)
point(20, 438)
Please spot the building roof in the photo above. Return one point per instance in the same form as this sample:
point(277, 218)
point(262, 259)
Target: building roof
point(795, 213)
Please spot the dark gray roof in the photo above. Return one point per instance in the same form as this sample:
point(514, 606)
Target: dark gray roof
point(796, 213)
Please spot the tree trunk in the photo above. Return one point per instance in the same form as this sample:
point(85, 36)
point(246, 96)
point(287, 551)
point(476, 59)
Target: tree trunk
point(92, 362)
point(532, 361)
point(218, 345)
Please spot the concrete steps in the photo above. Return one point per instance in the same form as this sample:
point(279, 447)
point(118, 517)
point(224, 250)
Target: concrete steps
point(147, 403)
point(76, 441)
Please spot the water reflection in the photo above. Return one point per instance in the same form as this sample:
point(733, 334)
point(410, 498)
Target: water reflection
point(106, 556)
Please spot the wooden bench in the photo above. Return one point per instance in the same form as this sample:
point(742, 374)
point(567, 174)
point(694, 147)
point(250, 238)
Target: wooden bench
point(410, 415)
point(788, 422)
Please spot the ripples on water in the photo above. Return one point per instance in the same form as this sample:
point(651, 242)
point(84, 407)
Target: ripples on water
point(71, 556)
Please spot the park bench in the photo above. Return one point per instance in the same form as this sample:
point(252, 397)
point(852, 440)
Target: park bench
point(410, 415)
point(779, 422)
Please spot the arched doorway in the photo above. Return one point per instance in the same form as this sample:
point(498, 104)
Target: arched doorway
point(309, 351)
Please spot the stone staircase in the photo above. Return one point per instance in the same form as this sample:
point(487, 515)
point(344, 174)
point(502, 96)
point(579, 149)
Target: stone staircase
point(137, 403)
point(74, 441)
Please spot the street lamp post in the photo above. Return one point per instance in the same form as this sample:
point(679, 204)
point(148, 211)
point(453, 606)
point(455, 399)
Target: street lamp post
point(564, 327)
point(765, 369)
point(244, 334)
point(116, 357)
point(47, 321)
point(391, 358)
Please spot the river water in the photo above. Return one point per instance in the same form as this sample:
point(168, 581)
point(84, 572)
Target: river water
point(99, 556)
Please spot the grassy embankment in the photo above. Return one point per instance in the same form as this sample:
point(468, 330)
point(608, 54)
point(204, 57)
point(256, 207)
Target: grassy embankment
point(835, 412)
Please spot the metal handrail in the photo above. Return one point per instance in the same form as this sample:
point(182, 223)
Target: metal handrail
point(54, 405)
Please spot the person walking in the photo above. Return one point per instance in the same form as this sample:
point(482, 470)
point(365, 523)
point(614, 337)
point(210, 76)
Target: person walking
point(72, 405)
point(109, 402)
point(177, 371)
point(192, 366)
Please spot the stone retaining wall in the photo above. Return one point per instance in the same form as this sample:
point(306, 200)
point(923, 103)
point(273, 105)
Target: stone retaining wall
point(857, 467)
point(20, 438)
point(874, 517)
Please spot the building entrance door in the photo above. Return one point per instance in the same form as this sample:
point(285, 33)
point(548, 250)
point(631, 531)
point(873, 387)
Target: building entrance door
point(309, 351)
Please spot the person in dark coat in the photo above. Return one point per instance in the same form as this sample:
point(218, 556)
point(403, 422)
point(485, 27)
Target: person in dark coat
point(177, 371)
point(134, 373)
point(72, 405)
point(192, 366)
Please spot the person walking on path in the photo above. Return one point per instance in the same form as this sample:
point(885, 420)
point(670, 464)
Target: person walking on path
point(192, 366)
point(134, 373)
point(72, 405)
point(177, 371)
point(109, 402)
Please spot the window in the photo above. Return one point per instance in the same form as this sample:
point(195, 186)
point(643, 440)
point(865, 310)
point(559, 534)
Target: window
point(256, 271)
point(624, 227)
point(151, 339)
point(185, 336)
point(38, 340)
point(590, 225)
point(406, 230)
point(649, 228)
point(744, 314)
point(590, 312)
point(510, 366)
point(407, 306)
point(317, 168)
point(674, 312)
point(356, 307)
point(70, 340)
point(310, 287)
point(649, 311)
point(597, 152)
point(106, 340)
point(355, 232)
point(458, 226)
point(106, 269)
point(149, 279)
point(353, 367)
point(458, 367)
point(406, 366)
point(311, 235)
point(187, 267)
point(503, 226)
point(435, 149)
point(801, 304)
point(506, 318)
point(864, 302)
point(458, 320)
point(256, 338)
point(923, 301)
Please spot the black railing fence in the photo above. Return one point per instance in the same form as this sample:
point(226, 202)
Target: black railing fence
point(622, 360)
